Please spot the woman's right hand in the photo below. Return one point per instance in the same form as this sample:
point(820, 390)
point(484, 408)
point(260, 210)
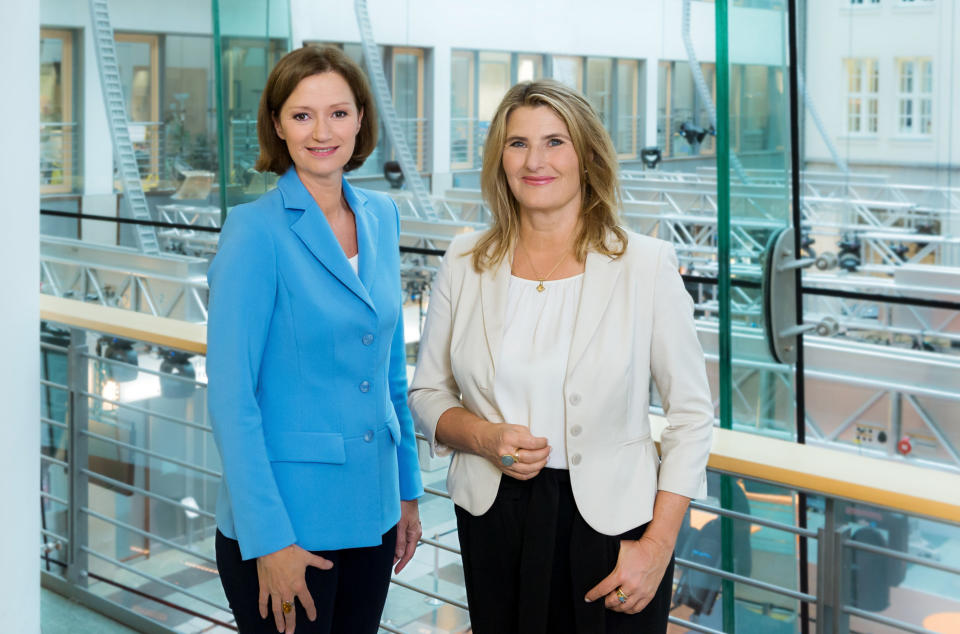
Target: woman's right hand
point(281, 576)
point(530, 452)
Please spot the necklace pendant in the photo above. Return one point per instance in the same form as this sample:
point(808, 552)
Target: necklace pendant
point(541, 287)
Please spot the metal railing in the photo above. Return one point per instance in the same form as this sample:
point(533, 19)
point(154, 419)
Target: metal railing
point(130, 477)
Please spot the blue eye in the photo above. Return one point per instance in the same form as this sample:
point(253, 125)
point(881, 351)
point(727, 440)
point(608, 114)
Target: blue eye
point(555, 142)
point(516, 144)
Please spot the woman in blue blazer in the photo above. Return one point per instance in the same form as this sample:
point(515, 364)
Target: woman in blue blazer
point(307, 368)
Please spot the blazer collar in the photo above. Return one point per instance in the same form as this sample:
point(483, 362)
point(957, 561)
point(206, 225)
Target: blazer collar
point(600, 277)
point(315, 232)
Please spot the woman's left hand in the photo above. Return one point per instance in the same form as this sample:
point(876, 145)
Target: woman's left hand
point(408, 533)
point(638, 573)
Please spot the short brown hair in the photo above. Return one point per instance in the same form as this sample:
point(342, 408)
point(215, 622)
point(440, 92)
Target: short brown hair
point(293, 68)
point(599, 180)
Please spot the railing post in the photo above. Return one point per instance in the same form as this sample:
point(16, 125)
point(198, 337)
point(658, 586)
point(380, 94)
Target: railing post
point(78, 419)
point(832, 569)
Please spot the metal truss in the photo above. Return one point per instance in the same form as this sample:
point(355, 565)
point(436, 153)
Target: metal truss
point(166, 286)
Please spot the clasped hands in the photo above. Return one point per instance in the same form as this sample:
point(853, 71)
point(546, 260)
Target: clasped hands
point(529, 452)
point(282, 573)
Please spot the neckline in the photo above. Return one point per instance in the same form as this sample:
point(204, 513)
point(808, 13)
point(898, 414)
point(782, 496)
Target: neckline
point(547, 282)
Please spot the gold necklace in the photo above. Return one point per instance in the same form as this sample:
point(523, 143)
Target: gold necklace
point(542, 279)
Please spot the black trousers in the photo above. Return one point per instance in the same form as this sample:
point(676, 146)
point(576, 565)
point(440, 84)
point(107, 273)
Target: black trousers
point(349, 597)
point(529, 561)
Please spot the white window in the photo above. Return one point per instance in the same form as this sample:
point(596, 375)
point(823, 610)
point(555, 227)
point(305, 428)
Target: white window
point(863, 3)
point(863, 82)
point(915, 96)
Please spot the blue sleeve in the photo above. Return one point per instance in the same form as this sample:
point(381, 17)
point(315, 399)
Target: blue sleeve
point(411, 485)
point(243, 286)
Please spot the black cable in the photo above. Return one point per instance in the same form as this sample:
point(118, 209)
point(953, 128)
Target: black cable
point(126, 221)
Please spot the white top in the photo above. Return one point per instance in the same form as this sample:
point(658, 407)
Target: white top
point(533, 361)
point(355, 263)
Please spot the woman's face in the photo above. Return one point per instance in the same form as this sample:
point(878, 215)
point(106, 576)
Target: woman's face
point(319, 121)
point(540, 162)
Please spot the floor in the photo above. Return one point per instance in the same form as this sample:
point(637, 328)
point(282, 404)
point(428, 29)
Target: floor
point(60, 615)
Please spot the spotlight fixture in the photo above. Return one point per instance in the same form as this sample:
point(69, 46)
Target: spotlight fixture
point(393, 174)
point(176, 364)
point(849, 257)
point(651, 157)
point(693, 133)
point(122, 352)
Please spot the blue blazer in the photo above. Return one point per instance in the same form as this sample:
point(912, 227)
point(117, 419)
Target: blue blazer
point(306, 369)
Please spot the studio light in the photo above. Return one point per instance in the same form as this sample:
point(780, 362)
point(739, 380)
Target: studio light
point(177, 364)
point(121, 351)
point(651, 157)
point(393, 174)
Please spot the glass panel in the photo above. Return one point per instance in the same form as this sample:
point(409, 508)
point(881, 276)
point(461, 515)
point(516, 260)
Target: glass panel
point(253, 35)
point(628, 119)
point(600, 88)
point(463, 124)
point(189, 162)
point(138, 59)
point(568, 70)
point(58, 127)
point(407, 91)
point(761, 389)
point(494, 82)
point(529, 67)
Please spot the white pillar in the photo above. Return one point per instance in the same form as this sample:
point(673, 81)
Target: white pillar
point(19, 319)
point(652, 72)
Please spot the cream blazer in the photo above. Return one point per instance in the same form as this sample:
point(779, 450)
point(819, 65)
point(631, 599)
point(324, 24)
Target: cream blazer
point(634, 323)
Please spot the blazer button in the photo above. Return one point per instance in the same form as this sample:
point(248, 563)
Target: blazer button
point(365, 386)
point(574, 399)
point(367, 339)
point(368, 436)
point(575, 430)
point(575, 459)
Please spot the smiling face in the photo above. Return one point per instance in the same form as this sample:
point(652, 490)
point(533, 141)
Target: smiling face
point(319, 122)
point(540, 162)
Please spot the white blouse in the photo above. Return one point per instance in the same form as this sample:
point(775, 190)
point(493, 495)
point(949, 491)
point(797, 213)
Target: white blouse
point(533, 360)
point(355, 263)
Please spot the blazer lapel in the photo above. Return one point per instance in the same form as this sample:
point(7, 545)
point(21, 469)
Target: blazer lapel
point(494, 287)
point(368, 230)
point(599, 279)
point(314, 231)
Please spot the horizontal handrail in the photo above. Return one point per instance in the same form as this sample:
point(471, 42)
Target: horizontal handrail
point(161, 331)
point(892, 484)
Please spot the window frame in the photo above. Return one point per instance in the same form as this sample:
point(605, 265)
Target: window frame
point(68, 116)
point(915, 97)
point(869, 69)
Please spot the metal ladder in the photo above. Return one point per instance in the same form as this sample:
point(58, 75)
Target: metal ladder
point(381, 91)
point(119, 131)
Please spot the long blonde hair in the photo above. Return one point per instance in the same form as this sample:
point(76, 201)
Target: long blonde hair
point(599, 183)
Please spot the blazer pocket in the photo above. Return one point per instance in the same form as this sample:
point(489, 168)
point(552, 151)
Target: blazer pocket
point(303, 446)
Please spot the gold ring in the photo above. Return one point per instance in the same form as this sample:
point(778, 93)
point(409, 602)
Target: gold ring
point(621, 595)
point(508, 459)
point(287, 607)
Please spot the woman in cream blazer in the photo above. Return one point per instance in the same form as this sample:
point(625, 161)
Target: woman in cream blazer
point(629, 319)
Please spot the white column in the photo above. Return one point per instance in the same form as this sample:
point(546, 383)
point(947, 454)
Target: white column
point(652, 72)
point(20, 320)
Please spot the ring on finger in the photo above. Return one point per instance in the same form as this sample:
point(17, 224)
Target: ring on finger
point(621, 595)
point(287, 607)
point(508, 459)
